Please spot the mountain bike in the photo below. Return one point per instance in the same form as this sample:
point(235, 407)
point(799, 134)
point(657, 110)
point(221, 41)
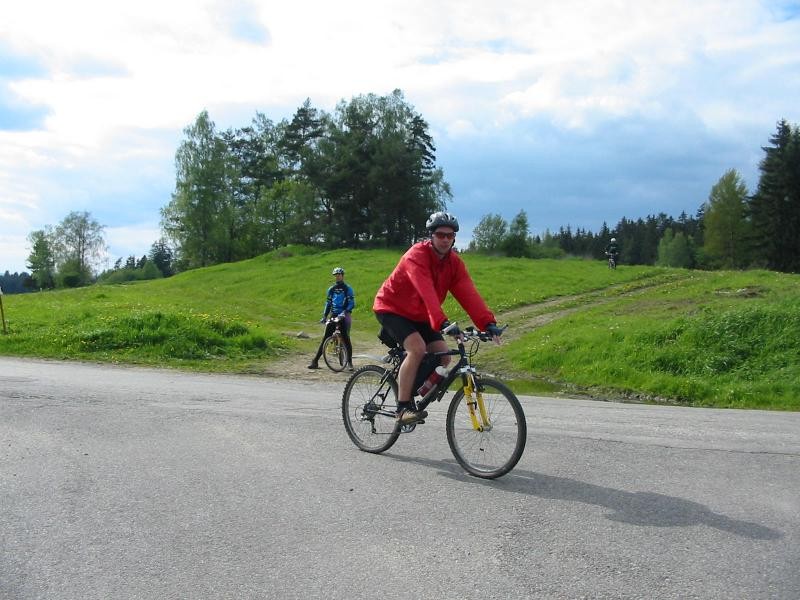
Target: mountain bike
point(334, 350)
point(485, 424)
point(612, 260)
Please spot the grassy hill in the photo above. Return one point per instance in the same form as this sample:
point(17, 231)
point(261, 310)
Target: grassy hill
point(728, 339)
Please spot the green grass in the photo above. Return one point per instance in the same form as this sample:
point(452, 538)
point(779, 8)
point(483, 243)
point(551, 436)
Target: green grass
point(710, 339)
point(726, 339)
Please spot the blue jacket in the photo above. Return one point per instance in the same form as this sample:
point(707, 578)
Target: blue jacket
point(340, 299)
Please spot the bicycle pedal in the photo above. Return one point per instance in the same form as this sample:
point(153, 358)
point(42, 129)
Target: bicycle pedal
point(410, 427)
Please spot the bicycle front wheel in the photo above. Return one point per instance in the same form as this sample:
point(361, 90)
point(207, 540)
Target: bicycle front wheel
point(335, 353)
point(497, 449)
point(369, 406)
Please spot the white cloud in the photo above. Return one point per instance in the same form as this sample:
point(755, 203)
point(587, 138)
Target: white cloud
point(130, 240)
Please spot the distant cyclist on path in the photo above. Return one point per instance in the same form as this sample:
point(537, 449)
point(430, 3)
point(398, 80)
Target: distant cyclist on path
point(612, 250)
point(409, 304)
point(340, 300)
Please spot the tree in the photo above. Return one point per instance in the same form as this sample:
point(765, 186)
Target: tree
point(286, 214)
point(516, 242)
point(79, 241)
point(726, 225)
point(161, 256)
point(489, 233)
point(565, 240)
point(16, 283)
point(253, 153)
point(71, 274)
point(365, 176)
point(675, 250)
point(41, 260)
point(775, 207)
point(379, 184)
point(601, 241)
point(300, 139)
point(200, 216)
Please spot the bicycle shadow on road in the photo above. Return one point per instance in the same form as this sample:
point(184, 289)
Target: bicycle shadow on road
point(634, 508)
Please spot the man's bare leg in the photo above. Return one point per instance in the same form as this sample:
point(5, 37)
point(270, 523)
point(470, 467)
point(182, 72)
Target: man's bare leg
point(415, 349)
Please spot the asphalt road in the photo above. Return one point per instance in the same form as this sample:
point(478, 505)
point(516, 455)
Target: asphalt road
point(141, 483)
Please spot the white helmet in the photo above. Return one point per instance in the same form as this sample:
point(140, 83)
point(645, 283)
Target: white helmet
point(338, 271)
point(441, 219)
point(614, 240)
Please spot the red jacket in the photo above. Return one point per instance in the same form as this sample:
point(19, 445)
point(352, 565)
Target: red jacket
point(419, 284)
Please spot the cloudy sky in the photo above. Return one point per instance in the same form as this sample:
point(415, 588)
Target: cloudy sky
point(576, 111)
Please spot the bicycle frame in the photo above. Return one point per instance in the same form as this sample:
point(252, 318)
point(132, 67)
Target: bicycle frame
point(463, 369)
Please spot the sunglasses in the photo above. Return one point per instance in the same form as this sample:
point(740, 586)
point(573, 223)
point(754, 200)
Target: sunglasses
point(441, 235)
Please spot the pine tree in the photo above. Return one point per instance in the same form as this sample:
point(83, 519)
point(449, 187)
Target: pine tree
point(161, 256)
point(41, 260)
point(516, 243)
point(775, 207)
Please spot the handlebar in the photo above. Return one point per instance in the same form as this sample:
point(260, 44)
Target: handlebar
point(470, 333)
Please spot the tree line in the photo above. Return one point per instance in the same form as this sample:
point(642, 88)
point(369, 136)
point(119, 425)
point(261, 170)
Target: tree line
point(64, 256)
point(366, 176)
point(731, 230)
point(15, 283)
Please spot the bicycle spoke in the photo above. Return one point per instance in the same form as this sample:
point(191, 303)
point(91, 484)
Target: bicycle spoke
point(495, 450)
point(369, 405)
point(332, 353)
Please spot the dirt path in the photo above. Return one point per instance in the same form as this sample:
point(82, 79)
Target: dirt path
point(521, 320)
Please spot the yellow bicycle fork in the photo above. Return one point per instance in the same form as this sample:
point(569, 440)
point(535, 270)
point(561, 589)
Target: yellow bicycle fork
point(480, 418)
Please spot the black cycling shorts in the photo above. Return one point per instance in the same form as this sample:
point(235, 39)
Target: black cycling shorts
point(400, 328)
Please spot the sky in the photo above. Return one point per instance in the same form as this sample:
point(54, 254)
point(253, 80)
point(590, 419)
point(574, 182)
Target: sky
point(578, 112)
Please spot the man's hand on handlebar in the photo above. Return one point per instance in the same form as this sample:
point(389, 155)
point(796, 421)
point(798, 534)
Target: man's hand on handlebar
point(495, 331)
point(492, 331)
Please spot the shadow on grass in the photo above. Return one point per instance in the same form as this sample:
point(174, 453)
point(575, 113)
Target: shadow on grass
point(634, 508)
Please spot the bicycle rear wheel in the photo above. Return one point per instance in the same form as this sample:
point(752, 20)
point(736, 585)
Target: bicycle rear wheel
point(335, 353)
point(496, 450)
point(369, 405)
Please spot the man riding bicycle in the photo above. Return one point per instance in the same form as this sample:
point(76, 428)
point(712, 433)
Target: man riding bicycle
point(409, 304)
point(340, 300)
point(612, 250)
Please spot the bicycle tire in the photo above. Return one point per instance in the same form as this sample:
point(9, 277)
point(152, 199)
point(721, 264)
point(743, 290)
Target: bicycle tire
point(488, 454)
point(334, 353)
point(369, 417)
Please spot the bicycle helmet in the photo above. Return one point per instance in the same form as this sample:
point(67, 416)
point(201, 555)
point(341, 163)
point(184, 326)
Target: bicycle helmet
point(614, 240)
point(441, 219)
point(338, 271)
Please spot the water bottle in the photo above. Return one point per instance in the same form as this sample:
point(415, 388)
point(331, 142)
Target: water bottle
point(430, 383)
